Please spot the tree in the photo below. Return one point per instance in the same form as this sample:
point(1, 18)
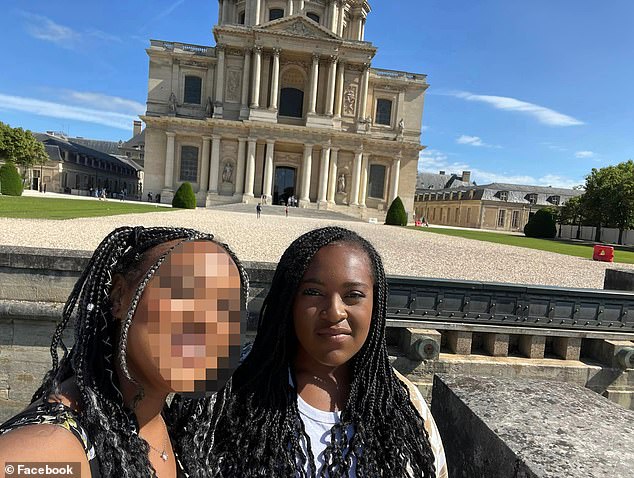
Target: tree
point(10, 181)
point(572, 213)
point(609, 197)
point(184, 197)
point(542, 224)
point(396, 215)
point(21, 147)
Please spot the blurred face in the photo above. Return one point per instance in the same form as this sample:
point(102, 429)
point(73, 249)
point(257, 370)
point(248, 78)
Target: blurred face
point(332, 310)
point(185, 334)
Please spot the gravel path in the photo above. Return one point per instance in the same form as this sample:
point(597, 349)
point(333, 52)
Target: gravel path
point(404, 251)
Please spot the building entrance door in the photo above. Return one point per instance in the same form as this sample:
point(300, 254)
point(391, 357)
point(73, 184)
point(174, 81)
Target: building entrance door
point(284, 186)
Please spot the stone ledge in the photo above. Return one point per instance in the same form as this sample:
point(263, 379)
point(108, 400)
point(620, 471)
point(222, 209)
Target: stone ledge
point(499, 428)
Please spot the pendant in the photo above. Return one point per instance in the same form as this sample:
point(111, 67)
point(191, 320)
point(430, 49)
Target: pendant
point(164, 456)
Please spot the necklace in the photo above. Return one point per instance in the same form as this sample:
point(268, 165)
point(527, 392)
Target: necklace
point(163, 453)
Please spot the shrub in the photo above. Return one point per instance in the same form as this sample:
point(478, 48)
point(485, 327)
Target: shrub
point(10, 180)
point(542, 224)
point(184, 197)
point(396, 215)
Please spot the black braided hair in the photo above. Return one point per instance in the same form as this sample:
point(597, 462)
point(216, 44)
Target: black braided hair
point(260, 433)
point(100, 340)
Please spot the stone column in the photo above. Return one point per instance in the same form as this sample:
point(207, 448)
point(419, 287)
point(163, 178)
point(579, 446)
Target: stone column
point(314, 82)
point(364, 180)
point(250, 176)
point(330, 91)
point(332, 175)
point(240, 166)
point(220, 11)
point(363, 97)
point(396, 172)
point(306, 167)
point(324, 168)
point(356, 178)
point(204, 171)
point(257, 71)
point(289, 7)
point(220, 74)
point(214, 164)
point(341, 18)
point(268, 169)
point(225, 12)
point(332, 11)
point(246, 73)
point(275, 79)
point(301, 5)
point(258, 9)
point(341, 70)
point(169, 160)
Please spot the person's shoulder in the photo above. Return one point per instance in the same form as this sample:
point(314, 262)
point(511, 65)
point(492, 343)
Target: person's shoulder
point(42, 443)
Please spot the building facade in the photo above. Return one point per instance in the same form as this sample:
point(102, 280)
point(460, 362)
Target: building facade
point(496, 206)
point(286, 104)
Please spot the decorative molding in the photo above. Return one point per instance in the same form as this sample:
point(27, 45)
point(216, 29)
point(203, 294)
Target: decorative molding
point(233, 51)
point(233, 86)
point(350, 100)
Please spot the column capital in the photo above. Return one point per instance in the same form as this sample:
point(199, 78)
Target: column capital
point(316, 57)
point(335, 149)
point(248, 50)
point(207, 138)
point(308, 147)
point(333, 58)
point(270, 142)
point(216, 137)
point(277, 51)
point(170, 134)
point(220, 47)
point(252, 139)
point(242, 139)
point(257, 49)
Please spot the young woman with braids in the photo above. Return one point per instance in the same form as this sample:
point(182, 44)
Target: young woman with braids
point(156, 311)
point(316, 396)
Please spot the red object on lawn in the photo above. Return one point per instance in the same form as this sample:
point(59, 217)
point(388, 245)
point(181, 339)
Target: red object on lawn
point(603, 253)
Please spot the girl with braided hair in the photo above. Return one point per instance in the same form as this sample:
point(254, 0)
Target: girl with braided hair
point(156, 311)
point(316, 396)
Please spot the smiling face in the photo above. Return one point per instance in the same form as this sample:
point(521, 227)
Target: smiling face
point(332, 310)
point(185, 335)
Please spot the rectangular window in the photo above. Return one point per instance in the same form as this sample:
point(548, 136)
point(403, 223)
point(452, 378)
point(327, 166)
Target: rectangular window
point(383, 112)
point(468, 216)
point(515, 220)
point(275, 13)
point(189, 164)
point(377, 180)
point(193, 90)
point(501, 217)
point(504, 195)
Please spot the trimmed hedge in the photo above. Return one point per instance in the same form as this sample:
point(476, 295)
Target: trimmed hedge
point(10, 180)
point(543, 225)
point(396, 215)
point(184, 197)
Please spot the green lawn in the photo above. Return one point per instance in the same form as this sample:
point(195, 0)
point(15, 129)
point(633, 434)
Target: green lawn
point(45, 208)
point(550, 245)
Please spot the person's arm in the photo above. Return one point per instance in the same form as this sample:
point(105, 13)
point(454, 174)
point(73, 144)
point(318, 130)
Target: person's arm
point(42, 444)
point(430, 425)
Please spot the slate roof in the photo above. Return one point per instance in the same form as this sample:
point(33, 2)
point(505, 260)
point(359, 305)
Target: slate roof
point(135, 141)
point(108, 147)
point(54, 154)
point(433, 181)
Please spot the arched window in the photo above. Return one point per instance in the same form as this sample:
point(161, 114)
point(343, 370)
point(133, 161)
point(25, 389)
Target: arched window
point(189, 164)
point(242, 17)
point(313, 16)
point(275, 13)
point(193, 89)
point(292, 102)
point(383, 112)
point(377, 180)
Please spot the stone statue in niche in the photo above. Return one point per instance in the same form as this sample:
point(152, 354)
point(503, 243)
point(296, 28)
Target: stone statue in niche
point(172, 103)
point(401, 127)
point(233, 85)
point(209, 108)
point(341, 184)
point(349, 100)
point(227, 172)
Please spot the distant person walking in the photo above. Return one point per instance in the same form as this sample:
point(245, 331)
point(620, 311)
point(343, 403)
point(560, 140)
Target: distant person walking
point(286, 211)
point(149, 196)
point(258, 210)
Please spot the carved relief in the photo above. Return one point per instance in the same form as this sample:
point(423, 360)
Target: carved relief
point(232, 93)
point(300, 29)
point(227, 172)
point(349, 100)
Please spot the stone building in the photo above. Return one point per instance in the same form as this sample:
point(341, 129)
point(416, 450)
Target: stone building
point(495, 206)
point(286, 104)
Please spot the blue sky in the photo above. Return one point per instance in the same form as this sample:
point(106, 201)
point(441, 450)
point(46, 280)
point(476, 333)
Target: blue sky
point(535, 92)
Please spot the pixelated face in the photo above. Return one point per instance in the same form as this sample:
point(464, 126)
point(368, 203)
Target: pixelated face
point(187, 323)
point(332, 310)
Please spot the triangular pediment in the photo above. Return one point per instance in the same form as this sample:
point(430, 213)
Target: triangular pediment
point(298, 25)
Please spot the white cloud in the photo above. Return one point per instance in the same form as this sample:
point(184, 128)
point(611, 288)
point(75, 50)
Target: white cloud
point(470, 140)
point(433, 161)
point(59, 110)
point(584, 154)
point(46, 29)
point(542, 114)
point(105, 102)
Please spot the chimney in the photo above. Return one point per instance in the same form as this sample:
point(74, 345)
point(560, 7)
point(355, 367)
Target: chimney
point(136, 129)
point(442, 173)
point(466, 176)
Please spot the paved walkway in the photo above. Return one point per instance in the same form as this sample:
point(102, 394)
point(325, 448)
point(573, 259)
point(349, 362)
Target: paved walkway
point(405, 251)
